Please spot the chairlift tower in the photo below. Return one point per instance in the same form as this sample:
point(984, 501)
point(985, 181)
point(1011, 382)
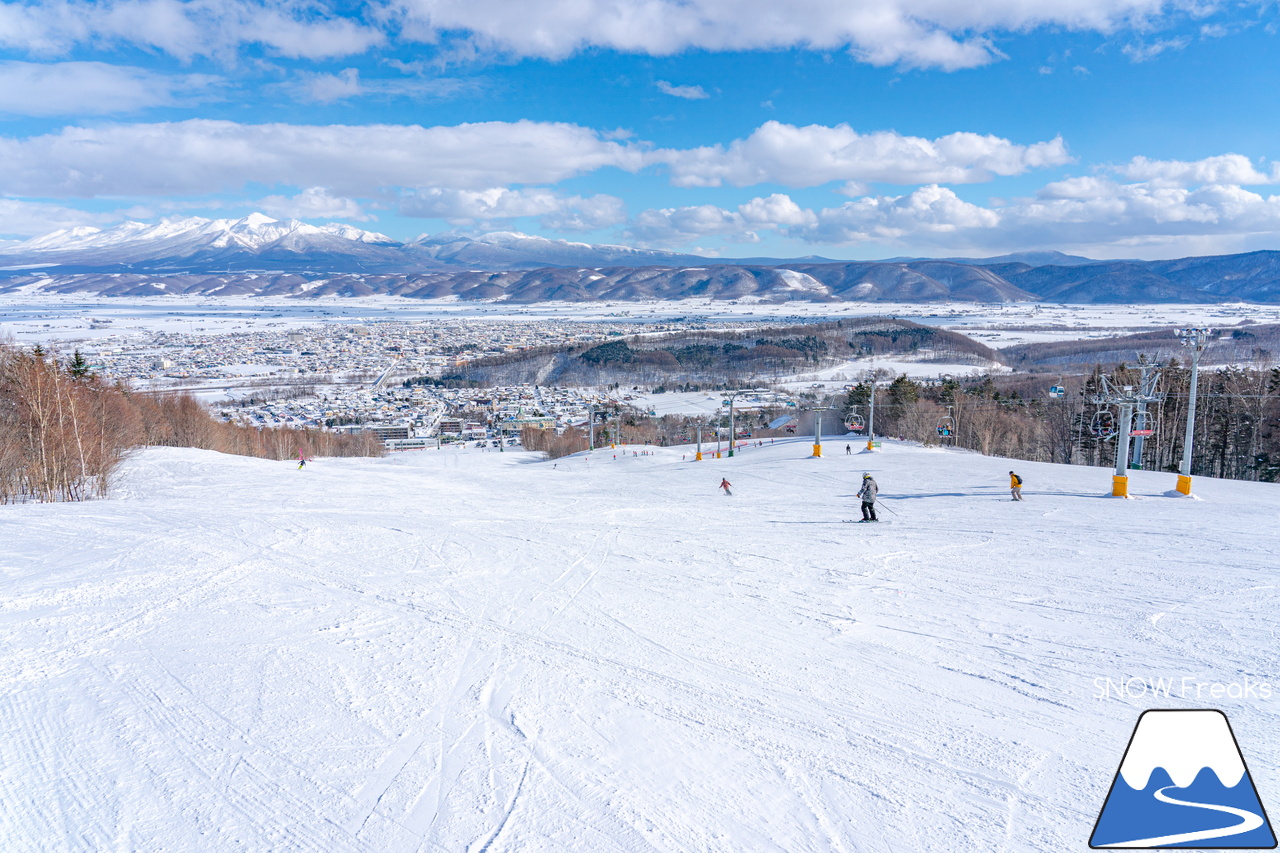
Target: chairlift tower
point(817, 427)
point(1127, 397)
point(1143, 418)
point(733, 396)
point(1196, 339)
point(871, 413)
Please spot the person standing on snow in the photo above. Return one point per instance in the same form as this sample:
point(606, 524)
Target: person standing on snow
point(724, 484)
point(868, 494)
point(1015, 486)
point(848, 450)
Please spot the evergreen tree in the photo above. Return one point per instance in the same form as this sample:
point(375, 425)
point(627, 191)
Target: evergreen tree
point(77, 366)
point(859, 397)
point(903, 391)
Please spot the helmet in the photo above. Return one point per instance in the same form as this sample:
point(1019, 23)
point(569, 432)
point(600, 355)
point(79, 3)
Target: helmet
point(866, 476)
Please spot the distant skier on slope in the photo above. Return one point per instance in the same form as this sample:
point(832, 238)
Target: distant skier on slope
point(868, 494)
point(724, 484)
point(302, 461)
point(1015, 486)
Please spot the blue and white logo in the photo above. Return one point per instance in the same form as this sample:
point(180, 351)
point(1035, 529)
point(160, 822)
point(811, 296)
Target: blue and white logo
point(1183, 783)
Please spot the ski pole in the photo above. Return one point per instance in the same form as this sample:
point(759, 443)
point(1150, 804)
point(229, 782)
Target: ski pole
point(883, 506)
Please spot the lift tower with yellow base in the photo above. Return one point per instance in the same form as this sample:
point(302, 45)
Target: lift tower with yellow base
point(1127, 397)
point(1195, 339)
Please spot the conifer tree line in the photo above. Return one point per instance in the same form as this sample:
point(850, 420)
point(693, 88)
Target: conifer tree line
point(64, 431)
point(1237, 425)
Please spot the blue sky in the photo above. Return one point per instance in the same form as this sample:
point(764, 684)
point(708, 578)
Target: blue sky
point(1113, 128)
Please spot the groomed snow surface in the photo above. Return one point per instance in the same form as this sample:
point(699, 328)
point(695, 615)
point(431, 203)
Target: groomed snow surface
point(471, 651)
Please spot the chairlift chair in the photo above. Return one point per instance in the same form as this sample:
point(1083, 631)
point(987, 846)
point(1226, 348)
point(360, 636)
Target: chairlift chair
point(1103, 424)
point(1057, 391)
point(856, 423)
point(946, 427)
point(1143, 425)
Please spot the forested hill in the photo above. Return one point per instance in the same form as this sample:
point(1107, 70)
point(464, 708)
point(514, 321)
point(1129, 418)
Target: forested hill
point(732, 356)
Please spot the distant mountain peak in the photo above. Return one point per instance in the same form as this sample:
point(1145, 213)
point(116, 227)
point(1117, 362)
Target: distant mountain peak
point(183, 236)
point(513, 249)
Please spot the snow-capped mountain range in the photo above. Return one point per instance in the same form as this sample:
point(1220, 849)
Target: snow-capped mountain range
point(255, 232)
point(260, 243)
point(258, 255)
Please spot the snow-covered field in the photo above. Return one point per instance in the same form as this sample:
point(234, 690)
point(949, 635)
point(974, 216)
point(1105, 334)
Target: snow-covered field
point(45, 317)
point(466, 651)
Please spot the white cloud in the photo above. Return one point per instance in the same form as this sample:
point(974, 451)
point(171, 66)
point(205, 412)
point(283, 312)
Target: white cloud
point(914, 33)
point(32, 218)
point(910, 33)
point(776, 211)
point(1144, 52)
point(327, 88)
point(205, 156)
point(682, 224)
point(288, 30)
point(1105, 218)
point(1116, 211)
point(94, 88)
point(924, 215)
point(1093, 215)
point(928, 214)
point(496, 204)
point(587, 214)
point(1222, 169)
point(321, 88)
point(817, 154)
point(202, 156)
point(183, 28)
point(692, 93)
point(672, 225)
point(312, 203)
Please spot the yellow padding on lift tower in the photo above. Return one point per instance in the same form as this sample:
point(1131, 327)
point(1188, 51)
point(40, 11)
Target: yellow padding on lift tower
point(1119, 487)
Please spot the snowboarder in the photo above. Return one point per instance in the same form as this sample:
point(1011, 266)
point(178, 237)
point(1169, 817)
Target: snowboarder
point(724, 484)
point(868, 494)
point(1015, 486)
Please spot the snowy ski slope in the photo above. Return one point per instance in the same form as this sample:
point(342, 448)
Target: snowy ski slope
point(467, 651)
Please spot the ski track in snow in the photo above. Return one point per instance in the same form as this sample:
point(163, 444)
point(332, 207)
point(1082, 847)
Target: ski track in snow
point(463, 651)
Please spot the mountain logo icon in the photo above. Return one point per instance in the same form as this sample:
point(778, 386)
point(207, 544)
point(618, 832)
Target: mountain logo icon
point(1183, 784)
